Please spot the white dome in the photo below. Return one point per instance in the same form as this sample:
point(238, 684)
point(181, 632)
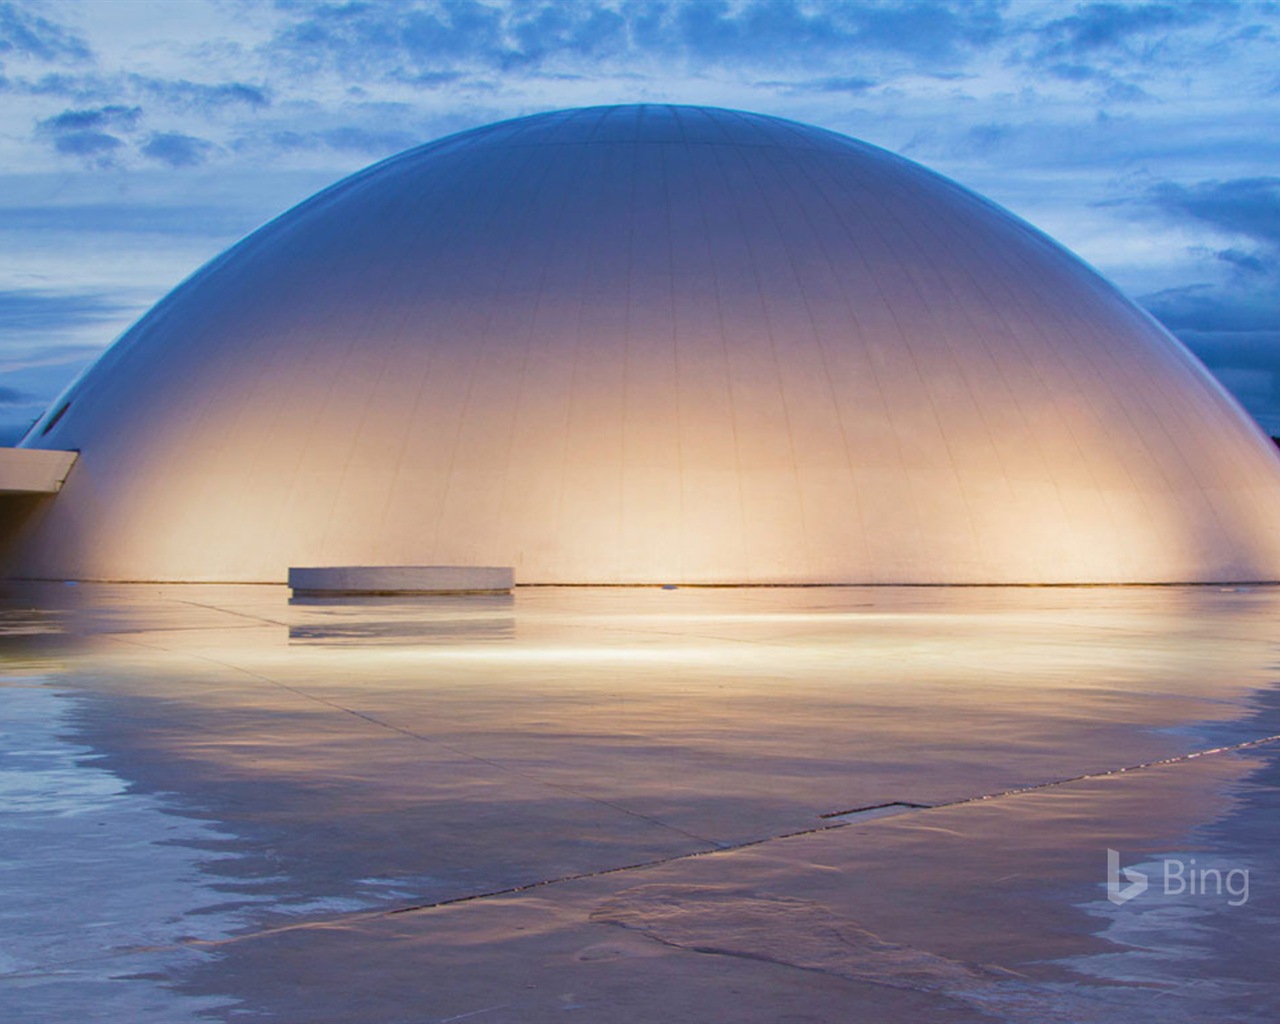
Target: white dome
point(654, 344)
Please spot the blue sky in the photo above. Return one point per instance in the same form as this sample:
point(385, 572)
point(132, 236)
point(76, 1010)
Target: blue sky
point(139, 139)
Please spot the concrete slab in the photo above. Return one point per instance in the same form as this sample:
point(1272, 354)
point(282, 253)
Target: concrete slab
point(221, 805)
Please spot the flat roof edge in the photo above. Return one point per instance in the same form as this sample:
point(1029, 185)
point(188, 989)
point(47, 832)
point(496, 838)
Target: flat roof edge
point(34, 470)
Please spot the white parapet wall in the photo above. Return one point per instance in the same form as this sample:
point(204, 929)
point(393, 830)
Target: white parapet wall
point(370, 580)
point(34, 470)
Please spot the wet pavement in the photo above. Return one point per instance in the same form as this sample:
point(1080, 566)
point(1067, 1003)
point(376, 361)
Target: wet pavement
point(772, 804)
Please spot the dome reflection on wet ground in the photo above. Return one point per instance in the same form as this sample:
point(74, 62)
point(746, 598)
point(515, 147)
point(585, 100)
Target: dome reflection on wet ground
point(638, 804)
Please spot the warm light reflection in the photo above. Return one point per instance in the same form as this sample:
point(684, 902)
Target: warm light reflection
point(359, 756)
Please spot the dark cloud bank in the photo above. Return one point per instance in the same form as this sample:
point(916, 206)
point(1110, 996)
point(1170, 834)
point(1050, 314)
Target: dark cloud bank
point(1233, 327)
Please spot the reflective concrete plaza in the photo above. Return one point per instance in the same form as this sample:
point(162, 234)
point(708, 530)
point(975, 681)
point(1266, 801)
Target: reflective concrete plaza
point(608, 804)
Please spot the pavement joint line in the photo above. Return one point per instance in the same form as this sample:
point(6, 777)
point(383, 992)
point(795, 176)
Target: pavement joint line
point(232, 611)
point(381, 913)
point(473, 1013)
point(1087, 776)
point(907, 805)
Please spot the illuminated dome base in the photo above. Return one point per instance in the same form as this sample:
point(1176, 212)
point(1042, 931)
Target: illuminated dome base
point(647, 345)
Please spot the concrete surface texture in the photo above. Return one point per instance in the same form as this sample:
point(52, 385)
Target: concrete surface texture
point(641, 805)
point(651, 344)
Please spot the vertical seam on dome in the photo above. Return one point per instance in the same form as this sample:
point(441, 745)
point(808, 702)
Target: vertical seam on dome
point(681, 456)
point(1094, 374)
point(735, 205)
point(819, 347)
point(283, 527)
point(699, 176)
point(996, 368)
point(356, 429)
point(574, 371)
point(945, 211)
point(426, 376)
point(743, 159)
point(670, 280)
point(483, 343)
point(877, 217)
point(876, 286)
point(913, 268)
point(860, 333)
point(522, 383)
point(621, 525)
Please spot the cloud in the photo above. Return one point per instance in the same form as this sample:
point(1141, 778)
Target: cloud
point(361, 140)
point(343, 139)
point(23, 33)
point(582, 29)
point(1245, 206)
point(31, 378)
point(1118, 91)
point(1235, 332)
point(191, 219)
point(406, 42)
point(33, 370)
point(358, 39)
point(984, 138)
point(99, 133)
point(1207, 310)
point(1142, 34)
point(1249, 263)
point(435, 79)
point(176, 94)
point(932, 31)
point(176, 149)
point(83, 86)
point(1249, 301)
point(1234, 327)
point(182, 95)
point(12, 396)
point(73, 120)
point(84, 133)
point(832, 84)
point(1122, 47)
point(87, 144)
point(29, 311)
point(12, 433)
point(113, 116)
point(1115, 26)
point(777, 32)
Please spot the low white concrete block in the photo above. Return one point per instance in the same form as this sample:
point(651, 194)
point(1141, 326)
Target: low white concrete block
point(34, 470)
point(338, 580)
